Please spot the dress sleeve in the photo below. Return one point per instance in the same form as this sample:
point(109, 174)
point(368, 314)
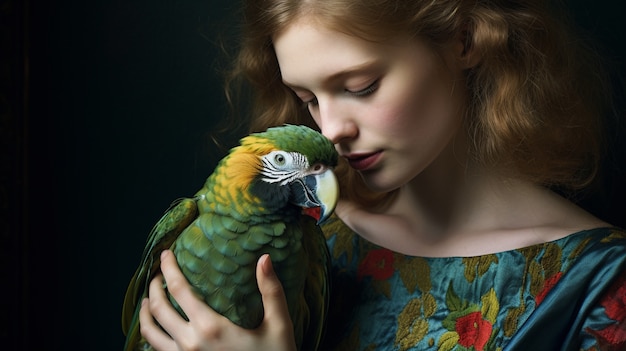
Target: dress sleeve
point(605, 329)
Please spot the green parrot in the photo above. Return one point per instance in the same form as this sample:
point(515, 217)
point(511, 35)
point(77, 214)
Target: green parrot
point(268, 195)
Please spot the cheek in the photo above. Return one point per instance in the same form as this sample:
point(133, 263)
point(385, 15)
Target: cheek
point(430, 106)
point(424, 121)
point(405, 101)
point(399, 114)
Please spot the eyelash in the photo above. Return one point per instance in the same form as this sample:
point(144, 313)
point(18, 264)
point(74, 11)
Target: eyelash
point(360, 93)
point(364, 92)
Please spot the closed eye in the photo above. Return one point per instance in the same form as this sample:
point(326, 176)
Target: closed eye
point(366, 91)
point(370, 89)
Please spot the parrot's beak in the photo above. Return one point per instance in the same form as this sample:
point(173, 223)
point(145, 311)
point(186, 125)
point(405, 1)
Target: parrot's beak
point(318, 195)
point(327, 193)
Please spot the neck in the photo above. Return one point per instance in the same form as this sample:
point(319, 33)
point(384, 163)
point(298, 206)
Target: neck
point(464, 211)
point(445, 200)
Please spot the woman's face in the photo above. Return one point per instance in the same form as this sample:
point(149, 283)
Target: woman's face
point(392, 109)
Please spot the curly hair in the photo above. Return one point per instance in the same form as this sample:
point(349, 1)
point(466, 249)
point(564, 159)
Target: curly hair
point(536, 96)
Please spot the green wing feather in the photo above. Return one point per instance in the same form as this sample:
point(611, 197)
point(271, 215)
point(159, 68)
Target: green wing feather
point(315, 303)
point(180, 214)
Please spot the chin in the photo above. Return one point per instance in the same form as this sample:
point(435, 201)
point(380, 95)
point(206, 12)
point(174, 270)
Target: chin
point(376, 182)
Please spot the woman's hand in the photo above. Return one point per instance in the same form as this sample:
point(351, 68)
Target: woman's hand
point(206, 329)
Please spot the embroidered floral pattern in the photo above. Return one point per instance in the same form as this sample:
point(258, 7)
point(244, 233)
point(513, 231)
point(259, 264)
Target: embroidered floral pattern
point(378, 264)
point(405, 303)
point(548, 285)
point(412, 325)
point(470, 325)
point(476, 267)
point(473, 331)
point(613, 336)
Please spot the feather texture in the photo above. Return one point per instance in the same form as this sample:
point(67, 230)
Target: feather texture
point(248, 207)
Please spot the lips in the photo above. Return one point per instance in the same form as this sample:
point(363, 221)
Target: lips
point(363, 162)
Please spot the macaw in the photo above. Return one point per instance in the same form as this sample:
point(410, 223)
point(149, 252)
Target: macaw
point(268, 195)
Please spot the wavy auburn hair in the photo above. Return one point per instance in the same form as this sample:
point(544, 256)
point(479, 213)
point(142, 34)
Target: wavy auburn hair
point(535, 98)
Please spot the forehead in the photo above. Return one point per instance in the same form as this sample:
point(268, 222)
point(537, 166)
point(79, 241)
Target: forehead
point(308, 50)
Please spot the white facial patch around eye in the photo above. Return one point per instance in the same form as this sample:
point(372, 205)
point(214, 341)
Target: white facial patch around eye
point(283, 167)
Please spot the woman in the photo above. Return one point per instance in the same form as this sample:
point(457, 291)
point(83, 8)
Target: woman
point(455, 119)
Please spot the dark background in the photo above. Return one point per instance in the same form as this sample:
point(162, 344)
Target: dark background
point(105, 107)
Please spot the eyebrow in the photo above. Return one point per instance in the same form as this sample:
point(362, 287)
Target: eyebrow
point(345, 72)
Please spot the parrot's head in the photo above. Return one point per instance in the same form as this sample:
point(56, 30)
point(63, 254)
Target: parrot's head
point(288, 167)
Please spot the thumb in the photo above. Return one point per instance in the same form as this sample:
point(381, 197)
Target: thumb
point(272, 293)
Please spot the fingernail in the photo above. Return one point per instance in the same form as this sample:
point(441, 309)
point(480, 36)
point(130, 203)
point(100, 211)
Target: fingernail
point(144, 301)
point(164, 254)
point(267, 264)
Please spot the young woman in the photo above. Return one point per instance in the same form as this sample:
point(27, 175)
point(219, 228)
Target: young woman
point(455, 119)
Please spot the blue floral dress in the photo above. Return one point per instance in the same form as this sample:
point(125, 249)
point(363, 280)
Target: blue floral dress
point(569, 294)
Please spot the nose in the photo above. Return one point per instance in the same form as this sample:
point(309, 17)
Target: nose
point(336, 121)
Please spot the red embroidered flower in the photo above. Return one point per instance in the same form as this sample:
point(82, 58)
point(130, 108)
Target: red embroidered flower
point(613, 337)
point(614, 301)
point(378, 264)
point(547, 286)
point(473, 331)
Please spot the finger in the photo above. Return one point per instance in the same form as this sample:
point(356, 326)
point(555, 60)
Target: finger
point(151, 331)
point(181, 290)
point(162, 310)
point(272, 293)
point(194, 307)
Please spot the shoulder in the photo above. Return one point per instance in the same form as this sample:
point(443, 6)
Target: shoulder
point(592, 260)
point(607, 321)
point(592, 257)
point(607, 243)
point(601, 262)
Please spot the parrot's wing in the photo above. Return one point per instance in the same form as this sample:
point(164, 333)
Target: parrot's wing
point(180, 214)
point(317, 285)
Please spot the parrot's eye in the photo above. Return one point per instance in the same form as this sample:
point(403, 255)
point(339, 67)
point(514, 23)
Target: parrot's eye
point(279, 159)
point(283, 167)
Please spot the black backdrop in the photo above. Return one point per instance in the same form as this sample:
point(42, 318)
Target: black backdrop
point(105, 107)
